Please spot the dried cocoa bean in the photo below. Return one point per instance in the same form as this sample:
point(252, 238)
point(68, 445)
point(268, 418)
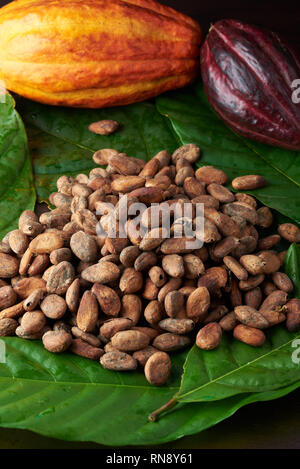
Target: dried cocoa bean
point(177, 326)
point(249, 335)
point(197, 304)
point(250, 317)
point(87, 314)
point(158, 368)
point(108, 299)
point(82, 348)
point(130, 340)
point(57, 341)
point(118, 361)
point(209, 337)
point(169, 342)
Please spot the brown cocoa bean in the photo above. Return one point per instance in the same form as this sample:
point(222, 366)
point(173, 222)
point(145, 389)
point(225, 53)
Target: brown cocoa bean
point(57, 341)
point(158, 368)
point(8, 327)
point(144, 261)
point(112, 326)
point(173, 265)
point(249, 335)
point(60, 255)
point(213, 279)
point(26, 286)
point(87, 315)
point(33, 300)
point(8, 297)
point(197, 304)
point(209, 337)
point(271, 261)
point(150, 290)
point(54, 306)
point(129, 255)
point(103, 272)
point(108, 299)
point(9, 266)
point(172, 284)
point(220, 193)
point(33, 322)
point(169, 342)
point(131, 281)
point(82, 348)
point(276, 298)
point(236, 268)
point(73, 295)
point(193, 266)
point(141, 356)
point(293, 315)
point(229, 321)
point(89, 338)
point(268, 242)
point(174, 302)
point(253, 264)
point(251, 282)
point(253, 298)
point(250, 317)
point(38, 265)
point(216, 314)
point(18, 242)
point(177, 326)
point(45, 243)
point(282, 282)
point(210, 175)
point(130, 340)
point(289, 232)
point(158, 276)
point(60, 278)
point(248, 183)
point(118, 361)
point(189, 152)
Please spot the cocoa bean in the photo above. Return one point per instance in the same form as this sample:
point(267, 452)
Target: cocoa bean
point(249, 335)
point(209, 337)
point(118, 361)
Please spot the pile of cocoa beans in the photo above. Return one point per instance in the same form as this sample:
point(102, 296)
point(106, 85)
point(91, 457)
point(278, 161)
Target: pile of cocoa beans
point(130, 301)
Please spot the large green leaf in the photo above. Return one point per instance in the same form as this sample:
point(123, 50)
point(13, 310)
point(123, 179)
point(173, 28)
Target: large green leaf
point(235, 368)
point(60, 142)
point(292, 267)
point(72, 398)
point(16, 189)
point(194, 121)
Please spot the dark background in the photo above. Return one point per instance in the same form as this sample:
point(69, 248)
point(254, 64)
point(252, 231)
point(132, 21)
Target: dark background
point(273, 424)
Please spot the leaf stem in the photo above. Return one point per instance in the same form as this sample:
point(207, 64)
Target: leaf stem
point(154, 415)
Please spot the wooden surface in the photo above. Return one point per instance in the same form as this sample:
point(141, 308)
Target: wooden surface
point(273, 424)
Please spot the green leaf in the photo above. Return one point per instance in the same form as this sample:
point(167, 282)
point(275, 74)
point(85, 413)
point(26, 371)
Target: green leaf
point(16, 189)
point(194, 121)
point(68, 397)
point(292, 267)
point(60, 142)
point(234, 368)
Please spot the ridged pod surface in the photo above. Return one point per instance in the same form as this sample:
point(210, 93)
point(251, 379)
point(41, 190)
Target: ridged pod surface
point(96, 53)
point(248, 75)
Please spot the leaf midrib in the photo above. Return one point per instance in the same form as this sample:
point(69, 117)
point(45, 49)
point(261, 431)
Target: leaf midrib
point(84, 383)
point(236, 370)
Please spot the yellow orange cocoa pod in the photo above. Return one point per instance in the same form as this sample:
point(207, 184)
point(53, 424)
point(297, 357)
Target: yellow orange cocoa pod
point(95, 53)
